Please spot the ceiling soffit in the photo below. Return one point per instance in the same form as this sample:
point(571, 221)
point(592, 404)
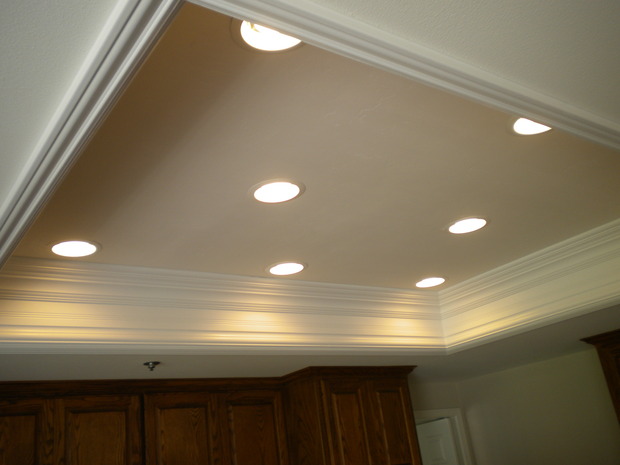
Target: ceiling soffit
point(87, 306)
point(127, 39)
point(74, 307)
point(347, 36)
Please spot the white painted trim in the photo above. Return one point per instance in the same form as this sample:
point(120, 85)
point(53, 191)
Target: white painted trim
point(128, 34)
point(85, 283)
point(459, 427)
point(352, 38)
point(51, 302)
point(568, 279)
point(56, 302)
point(556, 283)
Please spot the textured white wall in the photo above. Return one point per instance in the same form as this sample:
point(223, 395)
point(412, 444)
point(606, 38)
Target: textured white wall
point(551, 412)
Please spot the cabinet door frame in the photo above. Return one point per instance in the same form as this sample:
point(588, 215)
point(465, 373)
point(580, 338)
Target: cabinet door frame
point(129, 405)
point(331, 388)
point(43, 411)
point(155, 403)
point(400, 386)
point(252, 398)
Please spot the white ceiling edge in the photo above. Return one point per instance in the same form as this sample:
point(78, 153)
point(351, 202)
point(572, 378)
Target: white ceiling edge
point(346, 36)
point(73, 316)
point(76, 306)
point(134, 27)
point(568, 279)
point(120, 48)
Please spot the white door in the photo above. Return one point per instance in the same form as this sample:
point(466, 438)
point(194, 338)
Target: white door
point(437, 443)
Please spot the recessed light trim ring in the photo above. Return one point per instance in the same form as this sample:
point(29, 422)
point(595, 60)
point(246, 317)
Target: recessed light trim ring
point(527, 127)
point(430, 282)
point(277, 190)
point(262, 38)
point(467, 225)
point(75, 248)
point(286, 268)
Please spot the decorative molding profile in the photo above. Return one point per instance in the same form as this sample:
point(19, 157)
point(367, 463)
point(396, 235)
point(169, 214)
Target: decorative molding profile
point(54, 303)
point(83, 282)
point(88, 305)
point(360, 41)
point(568, 279)
point(120, 48)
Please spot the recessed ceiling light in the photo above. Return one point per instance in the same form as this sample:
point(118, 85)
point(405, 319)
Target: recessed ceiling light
point(467, 225)
point(527, 127)
point(266, 39)
point(430, 282)
point(277, 191)
point(74, 248)
point(285, 269)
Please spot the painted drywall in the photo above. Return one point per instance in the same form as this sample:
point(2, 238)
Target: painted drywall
point(427, 395)
point(555, 411)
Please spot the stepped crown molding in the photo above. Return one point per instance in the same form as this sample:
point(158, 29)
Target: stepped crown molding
point(135, 25)
point(568, 279)
point(347, 36)
point(78, 305)
point(128, 35)
point(74, 305)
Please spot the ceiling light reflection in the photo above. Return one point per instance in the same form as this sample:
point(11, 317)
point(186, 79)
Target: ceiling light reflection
point(285, 269)
point(467, 225)
point(266, 39)
point(74, 249)
point(527, 127)
point(430, 282)
point(278, 191)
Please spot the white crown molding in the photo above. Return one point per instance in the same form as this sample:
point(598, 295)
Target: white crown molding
point(84, 305)
point(56, 303)
point(83, 282)
point(346, 36)
point(568, 279)
point(128, 34)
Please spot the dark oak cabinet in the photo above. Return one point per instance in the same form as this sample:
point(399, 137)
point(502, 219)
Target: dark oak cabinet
point(26, 432)
point(71, 431)
point(241, 428)
point(93, 430)
point(181, 428)
point(318, 416)
point(255, 430)
point(351, 416)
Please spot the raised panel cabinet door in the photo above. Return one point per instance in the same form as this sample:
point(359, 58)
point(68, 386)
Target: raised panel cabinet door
point(182, 429)
point(255, 428)
point(26, 436)
point(98, 430)
point(345, 404)
point(391, 423)
point(305, 423)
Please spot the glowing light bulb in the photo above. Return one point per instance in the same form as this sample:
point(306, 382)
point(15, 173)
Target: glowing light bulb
point(265, 38)
point(527, 127)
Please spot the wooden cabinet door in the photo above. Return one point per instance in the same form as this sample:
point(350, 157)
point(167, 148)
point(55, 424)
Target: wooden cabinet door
point(182, 429)
point(254, 428)
point(345, 403)
point(370, 421)
point(392, 427)
point(98, 430)
point(26, 436)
